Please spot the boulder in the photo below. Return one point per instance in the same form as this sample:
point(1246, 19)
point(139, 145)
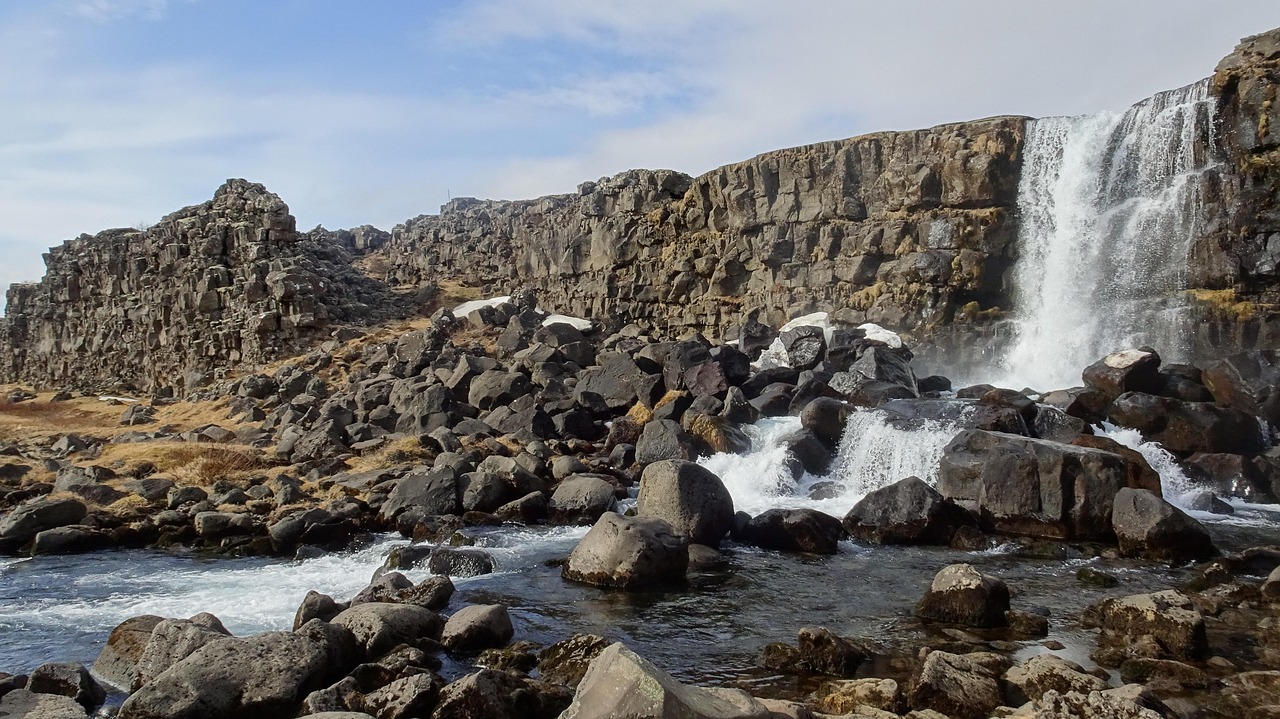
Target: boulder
point(71, 539)
point(1045, 672)
point(1133, 370)
point(216, 525)
point(26, 704)
point(848, 695)
point(1033, 487)
point(379, 627)
point(792, 530)
point(464, 562)
point(622, 684)
point(1185, 428)
point(316, 606)
point(69, 680)
point(1169, 616)
point(495, 388)
point(805, 346)
point(263, 675)
point(117, 663)
point(663, 439)
point(956, 686)
point(477, 627)
point(960, 594)
point(688, 497)
point(173, 640)
point(908, 511)
point(890, 366)
point(36, 515)
point(434, 492)
point(1147, 526)
point(412, 696)
point(825, 417)
point(566, 662)
point(629, 553)
point(1247, 381)
point(581, 499)
point(496, 694)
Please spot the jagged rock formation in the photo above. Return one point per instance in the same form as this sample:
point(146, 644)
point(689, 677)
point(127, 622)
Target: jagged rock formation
point(900, 228)
point(1246, 256)
point(207, 288)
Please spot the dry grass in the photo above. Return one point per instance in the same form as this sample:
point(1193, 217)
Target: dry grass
point(404, 450)
point(42, 421)
point(453, 293)
point(709, 430)
point(186, 463)
point(640, 414)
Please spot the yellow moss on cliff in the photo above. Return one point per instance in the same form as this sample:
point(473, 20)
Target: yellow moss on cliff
point(1225, 301)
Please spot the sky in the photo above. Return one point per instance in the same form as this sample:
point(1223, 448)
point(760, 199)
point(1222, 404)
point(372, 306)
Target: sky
point(114, 113)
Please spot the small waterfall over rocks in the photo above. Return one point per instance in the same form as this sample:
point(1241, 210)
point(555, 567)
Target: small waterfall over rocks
point(1109, 207)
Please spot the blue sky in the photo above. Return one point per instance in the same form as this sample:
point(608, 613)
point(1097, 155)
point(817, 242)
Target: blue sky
point(116, 112)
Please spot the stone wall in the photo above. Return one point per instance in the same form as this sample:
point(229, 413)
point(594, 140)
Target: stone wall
point(909, 229)
point(210, 287)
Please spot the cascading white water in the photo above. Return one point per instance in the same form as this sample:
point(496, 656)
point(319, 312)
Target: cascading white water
point(1109, 206)
point(873, 454)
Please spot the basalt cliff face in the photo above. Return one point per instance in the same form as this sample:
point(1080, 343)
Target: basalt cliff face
point(903, 229)
point(209, 287)
point(917, 231)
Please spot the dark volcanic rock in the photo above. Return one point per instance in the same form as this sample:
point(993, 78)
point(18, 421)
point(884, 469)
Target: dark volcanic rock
point(906, 512)
point(961, 594)
point(792, 530)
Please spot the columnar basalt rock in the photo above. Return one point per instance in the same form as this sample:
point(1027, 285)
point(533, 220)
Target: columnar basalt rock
point(902, 228)
point(225, 283)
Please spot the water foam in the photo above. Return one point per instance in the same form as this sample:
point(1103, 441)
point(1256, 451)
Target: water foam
point(1109, 206)
point(873, 453)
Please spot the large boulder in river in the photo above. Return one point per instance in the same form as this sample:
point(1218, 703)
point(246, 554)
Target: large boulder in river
point(1147, 526)
point(792, 530)
point(173, 640)
point(1248, 381)
point(908, 511)
point(1131, 370)
point(67, 679)
point(1188, 427)
point(960, 594)
point(687, 496)
point(629, 553)
point(620, 683)
point(36, 515)
point(117, 663)
point(826, 417)
point(1033, 487)
point(263, 675)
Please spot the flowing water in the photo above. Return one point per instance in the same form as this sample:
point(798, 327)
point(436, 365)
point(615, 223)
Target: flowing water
point(63, 608)
point(1108, 206)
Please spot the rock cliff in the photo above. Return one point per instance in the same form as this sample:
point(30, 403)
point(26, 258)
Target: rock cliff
point(207, 288)
point(908, 229)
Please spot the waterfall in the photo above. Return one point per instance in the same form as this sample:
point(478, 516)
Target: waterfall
point(1109, 206)
point(874, 452)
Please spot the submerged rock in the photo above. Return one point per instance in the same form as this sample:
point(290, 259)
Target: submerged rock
point(1168, 616)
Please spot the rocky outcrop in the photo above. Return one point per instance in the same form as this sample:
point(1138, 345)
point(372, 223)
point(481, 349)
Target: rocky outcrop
point(902, 228)
point(225, 283)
